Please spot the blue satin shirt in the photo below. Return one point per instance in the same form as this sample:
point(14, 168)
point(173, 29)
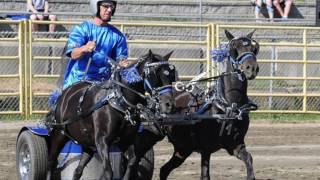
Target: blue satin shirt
point(110, 43)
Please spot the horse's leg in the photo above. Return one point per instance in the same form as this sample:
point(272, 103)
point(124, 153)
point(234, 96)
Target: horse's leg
point(205, 165)
point(176, 160)
point(144, 141)
point(56, 143)
point(85, 158)
point(241, 153)
point(103, 146)
point(103, 143)
point(131, 166)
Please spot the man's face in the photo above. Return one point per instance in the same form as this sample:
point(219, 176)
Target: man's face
point(106, 10)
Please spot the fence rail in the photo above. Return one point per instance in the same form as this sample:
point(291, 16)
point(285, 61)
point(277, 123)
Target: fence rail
point(288, 81)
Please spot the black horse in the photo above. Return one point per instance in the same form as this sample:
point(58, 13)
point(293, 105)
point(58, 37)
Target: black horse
point(211, 134)
point(98, 115)
point(240, 66)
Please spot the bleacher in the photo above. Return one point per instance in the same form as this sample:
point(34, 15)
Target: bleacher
point(234, 11)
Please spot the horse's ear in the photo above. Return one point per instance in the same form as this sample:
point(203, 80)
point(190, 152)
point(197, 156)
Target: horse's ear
point(229, 35)
point(150, 53)
point(251, 34)
point(166, 57)
point(255, 47)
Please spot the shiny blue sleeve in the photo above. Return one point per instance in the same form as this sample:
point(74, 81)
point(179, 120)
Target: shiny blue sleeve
point(122, 49)
point(77, 38)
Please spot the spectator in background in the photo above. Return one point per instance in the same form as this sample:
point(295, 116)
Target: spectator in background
point(40, 8)
point(283, 7)
point(258, 4)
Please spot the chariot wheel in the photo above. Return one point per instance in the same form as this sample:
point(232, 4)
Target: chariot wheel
point(31, 156)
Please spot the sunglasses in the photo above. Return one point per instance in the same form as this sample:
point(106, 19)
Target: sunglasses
point(107, 6)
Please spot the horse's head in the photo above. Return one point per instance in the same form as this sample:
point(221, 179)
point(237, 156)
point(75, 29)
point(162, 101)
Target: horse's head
point(154, 75)
point(158, 76)
point(243, 51)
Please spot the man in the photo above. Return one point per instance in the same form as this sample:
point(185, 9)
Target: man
point(98, 40)
point(40, 6)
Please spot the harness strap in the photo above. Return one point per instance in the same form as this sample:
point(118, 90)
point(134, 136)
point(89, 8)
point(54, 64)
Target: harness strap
point(79, 109)
point(204, 107)
point(81, 114)
point(97, 106)
point(128, 103)
point(130, 89)
point(213, 77)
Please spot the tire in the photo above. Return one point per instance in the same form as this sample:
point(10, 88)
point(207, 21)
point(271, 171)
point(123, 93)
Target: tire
point(31, 156)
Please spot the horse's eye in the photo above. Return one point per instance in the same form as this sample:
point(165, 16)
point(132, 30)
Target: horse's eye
point(166, 72)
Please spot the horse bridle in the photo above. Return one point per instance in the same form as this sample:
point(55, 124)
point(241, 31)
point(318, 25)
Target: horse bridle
point(240, 60)
point(147, 69)
point(255, 47)
point(155, 92)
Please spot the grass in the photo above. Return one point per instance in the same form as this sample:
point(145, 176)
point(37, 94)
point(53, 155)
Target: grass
point(286, 118)
point(15, 117)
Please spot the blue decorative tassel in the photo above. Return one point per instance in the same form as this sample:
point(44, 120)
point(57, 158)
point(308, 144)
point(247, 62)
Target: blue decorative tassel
point(53, 97)
point(131, 75)
point(220, 53)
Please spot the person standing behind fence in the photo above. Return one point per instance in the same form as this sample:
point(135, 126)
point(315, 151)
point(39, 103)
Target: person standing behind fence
point(40, 8)
point(258, 6)
point(284, 12)
point(98, 40)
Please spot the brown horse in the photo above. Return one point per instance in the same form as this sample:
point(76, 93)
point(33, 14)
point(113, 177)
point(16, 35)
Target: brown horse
point(98, 115)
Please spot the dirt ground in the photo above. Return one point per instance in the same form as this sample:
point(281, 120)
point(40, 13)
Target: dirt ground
point(280, 152)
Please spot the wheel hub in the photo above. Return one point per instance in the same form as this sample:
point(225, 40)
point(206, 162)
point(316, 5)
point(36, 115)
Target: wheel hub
point(24, 161)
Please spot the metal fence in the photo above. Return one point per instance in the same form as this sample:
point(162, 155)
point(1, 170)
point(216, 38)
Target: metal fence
point(289, 60)
point(12, 60)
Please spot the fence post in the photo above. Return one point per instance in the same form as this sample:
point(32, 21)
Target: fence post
point(274, 56)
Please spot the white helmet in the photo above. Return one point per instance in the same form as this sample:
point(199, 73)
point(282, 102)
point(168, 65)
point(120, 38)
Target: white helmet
point(94, 9)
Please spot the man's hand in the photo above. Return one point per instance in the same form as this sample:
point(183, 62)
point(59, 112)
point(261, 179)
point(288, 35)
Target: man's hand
point(124, 63)
point(79, 52)
point(89, 47)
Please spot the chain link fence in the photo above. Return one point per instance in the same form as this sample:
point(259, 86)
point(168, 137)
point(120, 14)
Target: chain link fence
point(11, 67)
point(289, 61)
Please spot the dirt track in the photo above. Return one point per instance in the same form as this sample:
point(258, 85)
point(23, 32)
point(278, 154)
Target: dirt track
point(280, 152)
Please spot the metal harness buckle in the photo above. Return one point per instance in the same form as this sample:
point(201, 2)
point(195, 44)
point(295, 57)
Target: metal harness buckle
point(127, 116)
